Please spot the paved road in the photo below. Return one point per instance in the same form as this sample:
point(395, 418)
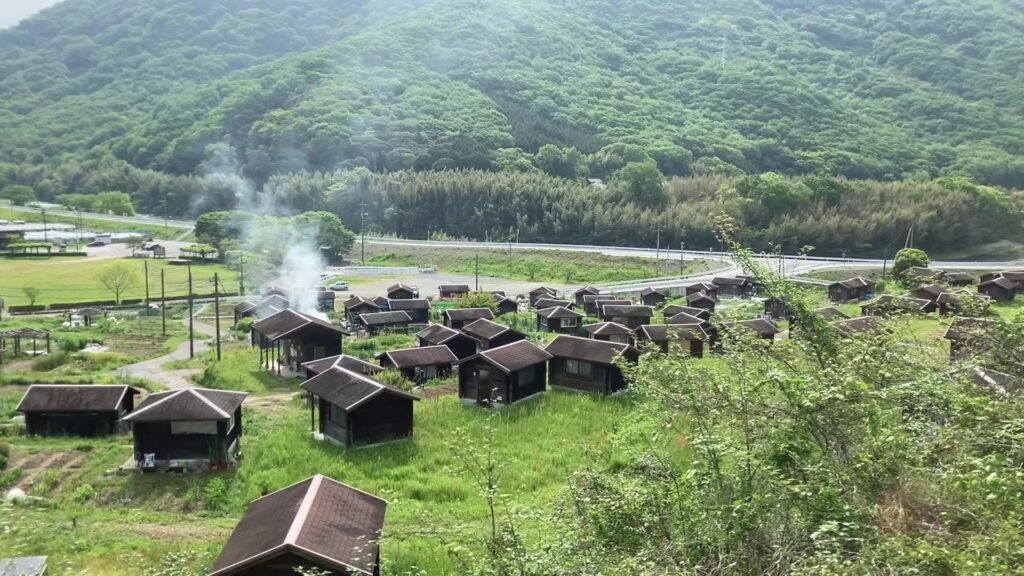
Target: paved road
point(173, 379)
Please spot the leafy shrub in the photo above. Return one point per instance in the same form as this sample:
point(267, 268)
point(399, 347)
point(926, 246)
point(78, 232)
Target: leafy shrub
point(83, 493)
point(72, 344)
point(394, 378)
point(49, 362)
point(5, 449)
point(3, 461)
point(10, 477)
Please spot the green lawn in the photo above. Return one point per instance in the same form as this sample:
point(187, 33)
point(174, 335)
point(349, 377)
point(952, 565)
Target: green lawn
point(66, 279)
point(137, 519)
point(534, 265)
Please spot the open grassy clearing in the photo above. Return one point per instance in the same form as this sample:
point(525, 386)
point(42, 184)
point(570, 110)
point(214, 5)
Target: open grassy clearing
point(75, 279)
point(137, 519)
point(534, 265)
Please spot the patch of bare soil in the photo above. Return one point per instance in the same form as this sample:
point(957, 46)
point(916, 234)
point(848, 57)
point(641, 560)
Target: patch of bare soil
point(34, 466)
point(435, 391)
point(269, 405)
point(182, 531)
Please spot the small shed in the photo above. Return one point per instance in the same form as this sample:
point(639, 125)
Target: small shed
point(23, 566)
point(701, 300)
point(380, 321)
point(418, 309)
point(451, 291)
point(856, 288)
point(887, 305)
point(428, 361)
point(559, 320)
point(505, 305)
point(776, 308)
point(685, 319)
point(243, 310)
point(325, 300)
point(860, 325)
point(192, 427)
point(999, 289)
point(461, 345)
point(354, 408)
point(922, 274)
point(633, 316)
point(702, 287)
point(291, 338)
point(343, 361)
point(591, 302)
point(542, 292)
point(543, 303)
point(381, 302)
point(689, 337)
point(735, 287)
point(587, 365)
point(968, 336)
point(611, 302)
point(652, 297)
point(456, 318)
point(357, 306)
point(674, 309)
point(505, 375)
point(611, 332)
point(584, 291)
point(318, 523)
point(959, 279)
point(76, 410)
point(402, 292)
point(763, 328)
point(489, 334)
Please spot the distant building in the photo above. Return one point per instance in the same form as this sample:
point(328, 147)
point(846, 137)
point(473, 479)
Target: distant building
point(354, 408)
point(691, 338)
point(418, 309)
point(428, 362)
point(380, 321)
point(559, 320)
point(456, 318)
point(611, 332)
point(402, 292)
point(452, 291)
point(542, 292)
point(736, 287)
point(76, 410)
point(489, 334)
point(652, 297)
point(461, 345)
point(584, 291)
point(851, 289)
point(1000, 289)
point(506, 374)
point(290, 338)
point(632, 316)
point(587, 365)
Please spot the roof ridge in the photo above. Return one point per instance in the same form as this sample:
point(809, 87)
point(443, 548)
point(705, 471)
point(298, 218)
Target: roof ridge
point(157, 403)
point(300, 517)
point(195, 392)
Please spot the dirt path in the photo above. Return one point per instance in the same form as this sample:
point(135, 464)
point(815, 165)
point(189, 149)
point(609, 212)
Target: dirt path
point(34, 466)
point(172, 379)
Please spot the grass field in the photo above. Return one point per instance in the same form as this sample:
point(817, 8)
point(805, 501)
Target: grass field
point(534, 265)
point(128, 524)
point(94, 224)
point(64, 279)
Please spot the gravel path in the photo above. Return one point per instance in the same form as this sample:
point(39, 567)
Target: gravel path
point(172, 379)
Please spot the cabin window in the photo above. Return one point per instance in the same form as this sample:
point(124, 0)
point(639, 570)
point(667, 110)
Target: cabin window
point(568, 322)
point(578, 368)
point(337, 416)
point(429, 371)
point(620, 338)
point(319, 352)
point(207, 427)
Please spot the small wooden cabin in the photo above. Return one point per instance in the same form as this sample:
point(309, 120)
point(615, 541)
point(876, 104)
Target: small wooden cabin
point(611, 332)
point(489, 334)
point(633, 316)
point(456, 318)
point(243, 310)
point(402, 292)
point(542, 292)
point(430, 361)
point(418, 309)
point(559, 320)
point(505, 375)
point(318, 524)
point(850, 289)
point(702, 288)
point(381, 302)
point(969, 336)
point(701, 300)
point(592, 303)
point(860, 325)
point(685, 319)
point(587, 365)
point(505, 305)
point(452, 291)
point(357, 306)
point(674, 309)
point(652, 297)
point(461, 345)
point(380, 321)
point(342, 361)
point(356, 409)
point(544, 303)
point(999, 289)
point(887, 305)
point(959, 279)
point(584, 291)
point(76, 410)
point(735, 287)
point(192, 427)
point(776, 308)
point(831, 313)
point(689, 337)
point(291, 338)
point(764, 329)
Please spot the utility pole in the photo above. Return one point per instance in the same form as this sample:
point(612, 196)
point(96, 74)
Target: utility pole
point(165, 213)
point(362, 232)
point(241, 273)
point(657, 254)
point(477, 271)
point(145, 274)
point(46, 236)
point(682, 247)
point(163, 305)
point(191, 322)
point(510, 256)
point(216, 305)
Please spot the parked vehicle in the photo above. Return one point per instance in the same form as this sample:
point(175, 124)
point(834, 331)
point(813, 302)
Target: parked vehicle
point(340, 286)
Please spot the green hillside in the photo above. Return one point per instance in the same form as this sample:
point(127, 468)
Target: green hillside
point(883, 89)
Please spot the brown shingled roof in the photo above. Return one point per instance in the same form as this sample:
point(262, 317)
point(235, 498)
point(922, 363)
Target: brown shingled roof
point(673, 309)
point(411, 304)
point(287, 322)
point(632, 310)
point(513, 357)
point(589, 350)
point(325, 521)
point(660, 332)
point(437, 334)
point(558, 312)
point(485, 329)
point(343, 361)
point(684, 319)
point(758, 325)
point(832, 313)
point(543, 303)
point(608, 329)
point(462, 314)
point(586, 290)
point(347, 388)
point(968, 328)
point(189, 404)
point(385, 318)
point(73, 398)
point(422, 356)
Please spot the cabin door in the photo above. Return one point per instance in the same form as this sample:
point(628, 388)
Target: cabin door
point(483, 384)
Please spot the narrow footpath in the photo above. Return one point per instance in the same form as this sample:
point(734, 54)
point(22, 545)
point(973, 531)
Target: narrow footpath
point(173, 379)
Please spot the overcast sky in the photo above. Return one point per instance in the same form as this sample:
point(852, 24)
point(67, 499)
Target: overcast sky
point(13, 11)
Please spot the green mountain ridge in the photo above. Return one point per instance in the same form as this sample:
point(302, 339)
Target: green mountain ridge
point(882, 89)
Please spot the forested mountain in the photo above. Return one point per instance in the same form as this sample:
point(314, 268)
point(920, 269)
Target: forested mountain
point(150, 96)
